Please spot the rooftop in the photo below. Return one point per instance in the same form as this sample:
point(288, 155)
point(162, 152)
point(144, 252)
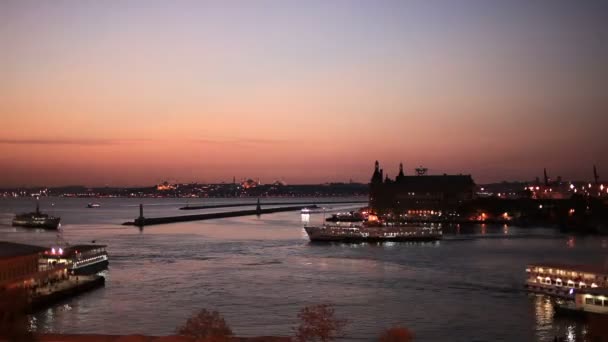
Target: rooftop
point(12, 249)
point(596, 269)
point(599, 291)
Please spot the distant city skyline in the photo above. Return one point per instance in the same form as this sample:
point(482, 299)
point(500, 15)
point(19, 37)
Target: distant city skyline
point(132, 93)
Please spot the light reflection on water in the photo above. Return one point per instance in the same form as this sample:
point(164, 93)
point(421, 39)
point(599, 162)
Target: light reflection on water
point(258, 272)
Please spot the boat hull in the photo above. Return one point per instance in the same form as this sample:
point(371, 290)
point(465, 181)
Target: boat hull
point(374, 234)
point(52, 224)
point(374, 239)
point(91, 268)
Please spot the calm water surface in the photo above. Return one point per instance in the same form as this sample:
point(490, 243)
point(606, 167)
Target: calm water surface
point(258, 272)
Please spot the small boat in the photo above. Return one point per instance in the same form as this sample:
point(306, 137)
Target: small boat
point(36, 219)
point(312, 209)
point(93, 205)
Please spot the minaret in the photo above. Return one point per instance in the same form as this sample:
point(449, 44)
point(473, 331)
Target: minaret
point(546, 177)
point(401, 174)
point(37, 205)
point(596, 177)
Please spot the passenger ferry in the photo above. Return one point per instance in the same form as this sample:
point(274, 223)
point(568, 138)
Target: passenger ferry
point(562, 280)
point(36, 219)
point(589, 301)
point(373, 233)
point(80, 259)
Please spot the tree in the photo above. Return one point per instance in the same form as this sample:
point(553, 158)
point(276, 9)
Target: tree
point(319, 323)
point(14, 305)
point(397, 334)
point(206, 325)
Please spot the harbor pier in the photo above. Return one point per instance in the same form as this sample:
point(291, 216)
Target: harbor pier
point(149, 221)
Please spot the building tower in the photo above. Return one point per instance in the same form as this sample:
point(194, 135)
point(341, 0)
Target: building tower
point(377, 175)
point(401, 175)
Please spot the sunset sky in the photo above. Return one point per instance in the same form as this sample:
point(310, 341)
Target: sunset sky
point(136, 92)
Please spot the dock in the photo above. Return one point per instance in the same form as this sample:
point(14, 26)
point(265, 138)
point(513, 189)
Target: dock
point(63, 290)
point(149, 221)
point(216, 206)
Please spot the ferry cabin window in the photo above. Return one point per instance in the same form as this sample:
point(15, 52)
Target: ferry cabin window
point(589, 301)
point(598, 302)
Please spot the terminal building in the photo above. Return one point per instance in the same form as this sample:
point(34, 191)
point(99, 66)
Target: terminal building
point(419, 195)
point(26, 266)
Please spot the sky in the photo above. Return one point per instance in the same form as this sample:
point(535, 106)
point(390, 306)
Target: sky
point(126, 93)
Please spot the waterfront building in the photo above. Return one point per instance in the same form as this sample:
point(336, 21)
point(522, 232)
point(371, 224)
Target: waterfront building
point(563, 280)
point(419, 195)
point(25, 266)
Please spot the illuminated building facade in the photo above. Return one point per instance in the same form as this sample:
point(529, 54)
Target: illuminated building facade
point(25, 266)
point(420, 194)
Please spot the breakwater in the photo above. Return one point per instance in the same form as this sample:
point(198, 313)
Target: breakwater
point(148, 221)
point(216, 206)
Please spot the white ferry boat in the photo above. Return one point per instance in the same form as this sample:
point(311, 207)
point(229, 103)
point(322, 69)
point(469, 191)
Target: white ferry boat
point(80, 259)
point(586, 302)
point(562, 280)
point(373, 233)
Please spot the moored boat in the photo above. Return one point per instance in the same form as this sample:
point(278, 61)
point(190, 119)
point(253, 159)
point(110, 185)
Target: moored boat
point(80, 259)
point(93, 205)
point(562, 280)
point(586, 302)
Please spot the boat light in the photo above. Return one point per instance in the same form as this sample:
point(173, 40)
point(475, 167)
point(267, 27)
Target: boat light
point(52, 250)
point(60, 251)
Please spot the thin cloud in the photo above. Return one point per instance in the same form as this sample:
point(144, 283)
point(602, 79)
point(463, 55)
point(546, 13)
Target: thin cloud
point(79, 142)
point(245, 141)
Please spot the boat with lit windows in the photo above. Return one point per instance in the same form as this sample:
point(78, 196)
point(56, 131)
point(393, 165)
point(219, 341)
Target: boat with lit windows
point(80, 259)
point(312, 209)
point(351, 216)
point(563, 280)
point(373, 232)
point(586, 302)
point(36, 219)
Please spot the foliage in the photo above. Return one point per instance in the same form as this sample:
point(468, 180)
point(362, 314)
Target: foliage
point(319, 323)
point(397, 334)
point(206, 325)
